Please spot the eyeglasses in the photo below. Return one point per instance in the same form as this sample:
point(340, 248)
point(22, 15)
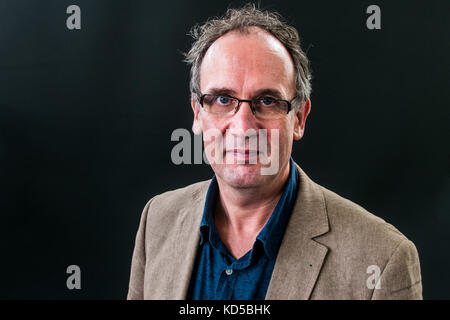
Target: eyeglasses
point(263, 108)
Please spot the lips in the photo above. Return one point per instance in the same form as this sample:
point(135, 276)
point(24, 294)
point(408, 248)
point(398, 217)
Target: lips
point(241, 152)
point(245, 155)
point(238, 151)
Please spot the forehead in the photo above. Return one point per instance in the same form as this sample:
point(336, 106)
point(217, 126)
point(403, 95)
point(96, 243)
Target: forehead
point(246, 62)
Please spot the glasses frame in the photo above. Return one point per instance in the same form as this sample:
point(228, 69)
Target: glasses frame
point(250, 102)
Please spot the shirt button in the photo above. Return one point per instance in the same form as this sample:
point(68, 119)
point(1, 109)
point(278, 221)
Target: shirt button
point(229, 272)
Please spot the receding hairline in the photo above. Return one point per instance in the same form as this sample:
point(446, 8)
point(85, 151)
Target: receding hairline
point(275, 46)
point(249, 31)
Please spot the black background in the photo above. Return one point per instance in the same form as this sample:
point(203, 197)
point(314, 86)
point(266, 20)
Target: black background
point(86, 118)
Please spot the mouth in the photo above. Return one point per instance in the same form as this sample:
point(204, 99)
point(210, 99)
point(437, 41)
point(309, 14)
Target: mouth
point(243, 154)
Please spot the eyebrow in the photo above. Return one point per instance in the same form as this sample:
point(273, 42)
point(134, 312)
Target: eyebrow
point(227, 91)
point(269, 92)
point(218, 91)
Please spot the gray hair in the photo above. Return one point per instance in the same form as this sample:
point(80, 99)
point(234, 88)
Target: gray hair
point(241, 19)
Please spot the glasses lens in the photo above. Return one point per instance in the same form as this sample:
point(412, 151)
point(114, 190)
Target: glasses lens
point(269, 108)
point(219, 104)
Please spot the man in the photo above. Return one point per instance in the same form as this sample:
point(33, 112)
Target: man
point(246, 234)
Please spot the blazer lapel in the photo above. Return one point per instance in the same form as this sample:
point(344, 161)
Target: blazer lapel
point(300, 258)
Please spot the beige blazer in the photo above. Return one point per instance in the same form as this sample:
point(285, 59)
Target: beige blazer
point(331, 249)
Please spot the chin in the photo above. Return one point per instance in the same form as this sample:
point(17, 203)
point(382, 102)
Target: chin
point(241, 175)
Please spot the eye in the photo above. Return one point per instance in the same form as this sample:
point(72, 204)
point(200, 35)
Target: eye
point(267, 101)
point(224, 100)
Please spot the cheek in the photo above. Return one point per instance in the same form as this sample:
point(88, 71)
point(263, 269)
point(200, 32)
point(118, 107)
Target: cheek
point(281, 147)
point(210, 123)
point(285, 131)
point(212, 130)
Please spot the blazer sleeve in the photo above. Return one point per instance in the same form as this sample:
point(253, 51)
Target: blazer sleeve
point(136, 285)
point(401, 278)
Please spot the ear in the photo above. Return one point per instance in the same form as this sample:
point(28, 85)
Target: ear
point(300, 119)
point(196, 125)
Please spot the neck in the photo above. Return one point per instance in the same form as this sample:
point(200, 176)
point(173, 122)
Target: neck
point(246, 211)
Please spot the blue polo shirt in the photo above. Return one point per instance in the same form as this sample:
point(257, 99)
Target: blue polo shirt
point(219, 276)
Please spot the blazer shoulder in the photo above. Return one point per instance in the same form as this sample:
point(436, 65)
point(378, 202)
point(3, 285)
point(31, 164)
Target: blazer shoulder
point(353, 226)
point(168, 205)
point(177, 196)
point(359, 243)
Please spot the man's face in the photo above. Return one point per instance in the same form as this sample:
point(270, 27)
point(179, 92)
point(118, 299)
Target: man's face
point(243, 66)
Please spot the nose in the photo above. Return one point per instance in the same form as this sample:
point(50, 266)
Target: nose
point(243, 119)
